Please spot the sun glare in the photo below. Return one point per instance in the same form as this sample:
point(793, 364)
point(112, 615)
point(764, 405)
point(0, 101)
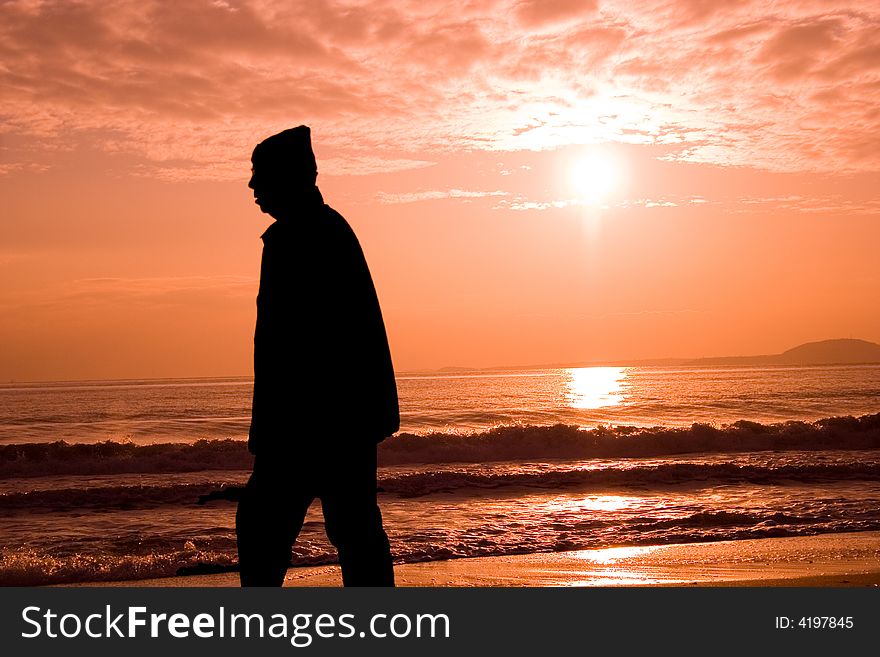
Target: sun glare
point(594, 176)
point(595, 387)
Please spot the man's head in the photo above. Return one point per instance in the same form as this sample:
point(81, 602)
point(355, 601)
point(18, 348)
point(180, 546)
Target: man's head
point(283, 168)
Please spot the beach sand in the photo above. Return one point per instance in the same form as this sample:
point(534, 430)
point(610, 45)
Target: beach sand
point(851, 559)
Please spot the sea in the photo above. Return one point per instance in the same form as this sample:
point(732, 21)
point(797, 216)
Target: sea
point(136, 479)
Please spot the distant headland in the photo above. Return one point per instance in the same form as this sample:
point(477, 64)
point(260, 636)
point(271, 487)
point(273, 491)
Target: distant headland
point(843, 351)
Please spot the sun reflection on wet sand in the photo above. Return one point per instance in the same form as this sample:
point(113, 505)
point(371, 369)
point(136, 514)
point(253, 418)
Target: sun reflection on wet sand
point(595, 387)
point(615, 554)
point(623, 567)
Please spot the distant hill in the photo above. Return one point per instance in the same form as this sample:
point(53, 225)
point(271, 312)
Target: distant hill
point(845, 351)
point(829, 352)
point(825, 352)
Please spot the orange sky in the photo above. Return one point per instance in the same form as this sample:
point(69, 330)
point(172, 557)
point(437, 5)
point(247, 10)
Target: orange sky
point(742, 138)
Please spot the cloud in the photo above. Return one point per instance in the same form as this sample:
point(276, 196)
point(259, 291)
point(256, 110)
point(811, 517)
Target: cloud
point(836, 205)
point(688, 13)
point(365, 165)
point(541, 12)
point(830, 205)
point(520, 204)
point(431, 195)
point(184, 90)
point(795, 50)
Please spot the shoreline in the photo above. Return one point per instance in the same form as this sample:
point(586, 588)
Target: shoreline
point(824, 560)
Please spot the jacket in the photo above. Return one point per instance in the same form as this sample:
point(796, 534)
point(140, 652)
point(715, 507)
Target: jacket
point(323, 373)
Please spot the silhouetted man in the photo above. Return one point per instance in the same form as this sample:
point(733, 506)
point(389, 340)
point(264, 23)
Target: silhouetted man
point(324, 389)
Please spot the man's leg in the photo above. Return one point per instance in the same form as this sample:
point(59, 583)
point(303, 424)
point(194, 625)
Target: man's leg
point(270, 516)
point(353, 521)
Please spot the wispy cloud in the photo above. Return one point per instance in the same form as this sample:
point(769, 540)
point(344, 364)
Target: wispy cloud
point(835, 205)
point(520, 204)
point(365, 165)
point(432, 195)
point(831, 205)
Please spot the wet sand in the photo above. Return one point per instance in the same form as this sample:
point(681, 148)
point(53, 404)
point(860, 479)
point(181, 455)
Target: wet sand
point(833, 560)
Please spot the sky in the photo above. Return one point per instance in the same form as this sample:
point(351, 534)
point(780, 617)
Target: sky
point(531, 181)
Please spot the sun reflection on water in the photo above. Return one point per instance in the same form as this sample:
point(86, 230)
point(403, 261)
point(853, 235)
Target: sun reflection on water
point(595, 387)
point(593, 503)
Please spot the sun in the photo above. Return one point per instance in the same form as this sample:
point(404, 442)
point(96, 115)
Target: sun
point(594, 177)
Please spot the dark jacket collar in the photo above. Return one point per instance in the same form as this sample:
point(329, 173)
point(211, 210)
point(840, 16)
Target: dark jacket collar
point(307, 204)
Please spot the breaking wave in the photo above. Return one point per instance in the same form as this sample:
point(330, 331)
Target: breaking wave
point(461, 481)
point(506, 443)
point(645, 477)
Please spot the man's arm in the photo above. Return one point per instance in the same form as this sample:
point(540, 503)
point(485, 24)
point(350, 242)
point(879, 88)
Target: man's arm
point(364, 339)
